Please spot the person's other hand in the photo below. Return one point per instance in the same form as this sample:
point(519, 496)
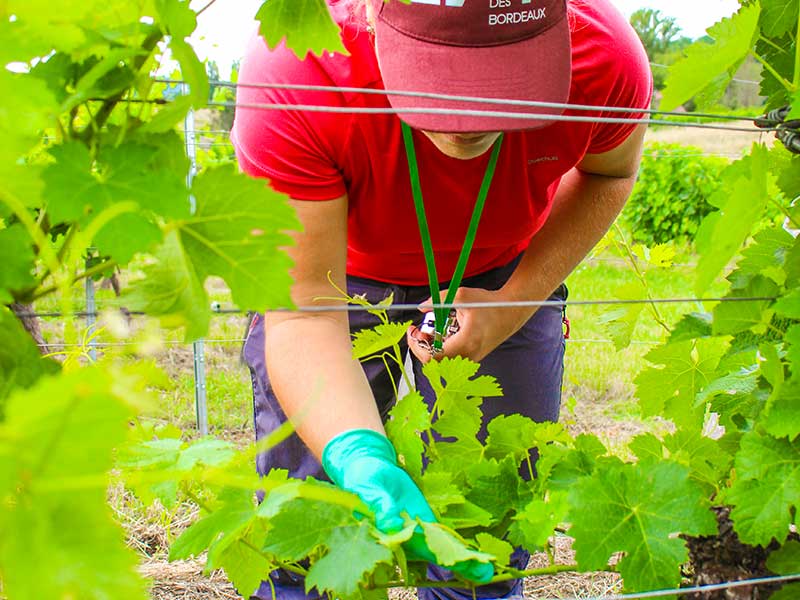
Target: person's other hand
point(481, 330)
point(364, 462)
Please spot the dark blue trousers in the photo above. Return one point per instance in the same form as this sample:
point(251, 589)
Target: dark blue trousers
point(529, 366)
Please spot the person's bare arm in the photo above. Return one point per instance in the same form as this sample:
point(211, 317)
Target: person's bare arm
point(588, 200)
point(309, 355)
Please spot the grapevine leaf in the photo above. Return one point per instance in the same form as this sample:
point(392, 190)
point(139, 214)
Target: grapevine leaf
point(767, 254)
point(733, 39)
point(235, 234)
point(561, 466)
point(320, 520)
point(176, 456)
point(466, 515)
point(535, 524)
point(352, 554)
point(733, 317)
point(495, 487)
point(460, 420)
point(140, 235)
point(371, 341)
point(440, 490)
point(638, 509)
point(16, 256)
point(786, 559)
point(236, 512)
point(746, 187)
point(448, 548)
point(131, 172)
point(789, 305)
point(692, 327)
point(243, 564)
point(28, 107)
point(778, 17)
point(766, 490)
point(305, 24)
point(706, 460)
point(21, 364)
point(670, 389)
point(408, 418)
point(500, 549)
point(457, 373)
point(172, 289)
point(619, 324)
point(511, 435)
point(64, 429)
point(193, 72)
point(782, 417)
point(178, 17)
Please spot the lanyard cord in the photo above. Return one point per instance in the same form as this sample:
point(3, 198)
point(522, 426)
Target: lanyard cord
point(427, 246)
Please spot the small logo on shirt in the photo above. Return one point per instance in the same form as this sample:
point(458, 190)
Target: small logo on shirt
point(541, 159)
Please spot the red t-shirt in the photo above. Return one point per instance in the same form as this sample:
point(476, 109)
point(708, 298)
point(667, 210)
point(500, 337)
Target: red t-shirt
point(321, 156)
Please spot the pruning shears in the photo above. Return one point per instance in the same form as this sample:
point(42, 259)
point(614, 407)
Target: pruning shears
point(788, 132)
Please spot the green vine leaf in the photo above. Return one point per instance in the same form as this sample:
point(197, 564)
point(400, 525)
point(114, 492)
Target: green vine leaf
point(353, 553)
point(704, 63)
point(734, 317)
point(685, 369)
point(236, 233)
point(17, 258)
point(235, 513)
point(61, 430)
point(766, 491)
point(407, 420)
point(371, 341)
point(320, 521)
point(747, 185)
point(306, 25)
point(778, 17)
point(535, 524)
point(243, 564)
point(638, 509)
point(448, 548)
point(21, 364)
point(786, 561)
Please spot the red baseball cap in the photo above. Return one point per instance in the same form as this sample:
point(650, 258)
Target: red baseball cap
point(505, 49)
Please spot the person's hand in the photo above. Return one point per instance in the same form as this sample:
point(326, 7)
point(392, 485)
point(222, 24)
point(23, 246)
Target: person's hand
point(481, 330)
point(364, 462)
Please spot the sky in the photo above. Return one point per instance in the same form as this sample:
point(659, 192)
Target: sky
point(224, 28)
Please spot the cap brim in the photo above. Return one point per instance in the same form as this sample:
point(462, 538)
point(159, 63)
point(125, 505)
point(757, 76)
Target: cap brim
point(537, 69)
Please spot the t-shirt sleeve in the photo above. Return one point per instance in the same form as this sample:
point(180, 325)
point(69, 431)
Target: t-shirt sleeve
point(298, 151)
point(626, 81)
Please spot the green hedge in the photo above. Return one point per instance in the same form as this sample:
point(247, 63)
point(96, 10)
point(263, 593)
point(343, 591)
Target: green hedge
point(671, 196)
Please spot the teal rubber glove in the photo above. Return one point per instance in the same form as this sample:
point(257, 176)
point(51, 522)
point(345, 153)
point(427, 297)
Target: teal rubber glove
point(364, 462)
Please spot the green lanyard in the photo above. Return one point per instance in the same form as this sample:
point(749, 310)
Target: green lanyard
point(440, 313)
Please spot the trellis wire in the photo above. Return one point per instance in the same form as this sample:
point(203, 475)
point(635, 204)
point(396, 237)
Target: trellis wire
point(697, 589)
point(474, 99)
point(453, 305)
point(356, 110)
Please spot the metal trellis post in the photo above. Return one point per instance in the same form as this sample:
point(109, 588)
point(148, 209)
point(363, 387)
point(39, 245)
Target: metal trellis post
point(198, 347)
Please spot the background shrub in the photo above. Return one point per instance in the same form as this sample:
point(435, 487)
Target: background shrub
point(671, 196)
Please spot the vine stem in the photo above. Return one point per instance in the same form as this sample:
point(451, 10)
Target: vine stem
point(509, 576)
point(632, 258)
point(206, 7)
point(90, 272)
